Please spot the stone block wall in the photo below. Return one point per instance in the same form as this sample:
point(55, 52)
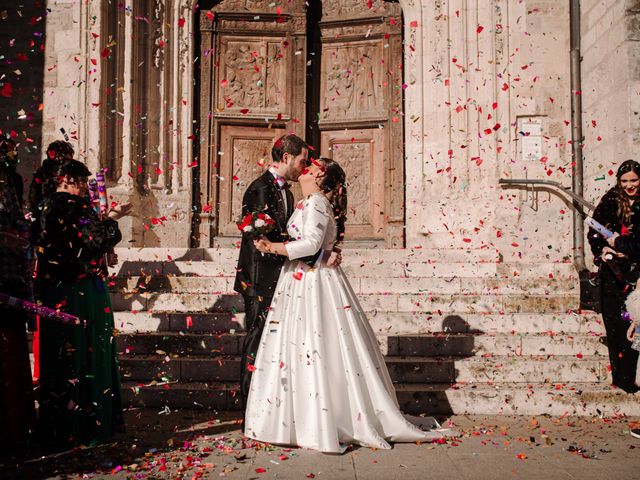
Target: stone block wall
point(610, 90)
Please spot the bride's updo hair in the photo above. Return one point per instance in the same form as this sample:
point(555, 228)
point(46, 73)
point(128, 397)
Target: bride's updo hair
point(334, 180)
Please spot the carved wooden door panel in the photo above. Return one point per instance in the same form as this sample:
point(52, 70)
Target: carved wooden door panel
point(360, 118)
point(245, 153)
point(253, 86)
point(253, 61)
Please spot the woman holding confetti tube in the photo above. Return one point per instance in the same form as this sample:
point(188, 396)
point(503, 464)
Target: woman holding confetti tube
point(79, 377)
point(618, 211)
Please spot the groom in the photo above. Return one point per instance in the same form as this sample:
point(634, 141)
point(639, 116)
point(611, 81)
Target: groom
point(257, 274)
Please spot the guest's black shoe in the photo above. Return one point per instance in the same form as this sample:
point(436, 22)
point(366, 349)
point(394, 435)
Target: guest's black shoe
point(635, 432)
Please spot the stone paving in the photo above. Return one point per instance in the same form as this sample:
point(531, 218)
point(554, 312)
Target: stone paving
point(203, 444)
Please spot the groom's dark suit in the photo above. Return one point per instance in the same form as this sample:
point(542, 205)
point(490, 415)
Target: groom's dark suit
point(257, 274)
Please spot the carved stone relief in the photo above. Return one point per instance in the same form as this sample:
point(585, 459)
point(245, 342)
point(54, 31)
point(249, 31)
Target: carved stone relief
point(352, 81)
point(341, 8)
point(158, 19)
point(267, 6)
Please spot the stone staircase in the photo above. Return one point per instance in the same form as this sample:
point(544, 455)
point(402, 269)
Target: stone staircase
point(461, 332)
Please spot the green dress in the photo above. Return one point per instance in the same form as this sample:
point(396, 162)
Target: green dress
point(79, 375)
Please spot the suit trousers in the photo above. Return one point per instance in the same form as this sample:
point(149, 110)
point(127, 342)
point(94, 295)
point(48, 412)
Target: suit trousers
point(256, 310)
point(622, 357)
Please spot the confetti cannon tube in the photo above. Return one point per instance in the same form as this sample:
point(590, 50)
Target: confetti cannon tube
point(93, 195)
point(102, 192)
point(41, 310)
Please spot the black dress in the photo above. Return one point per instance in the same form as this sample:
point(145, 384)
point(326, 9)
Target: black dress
point(17, 408)
point(619, 278)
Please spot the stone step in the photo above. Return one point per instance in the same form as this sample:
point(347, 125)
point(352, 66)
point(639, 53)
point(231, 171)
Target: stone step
point(427, 345)
point(559, 399)
point(415, 285)
point(392, 302)
point(513, 369)
point(356, 263)
point(354, 268)
point(173, 343)
point(468, 344)
point(147, 322)
point(358, 254)
point(383, 323)
point(211, 395)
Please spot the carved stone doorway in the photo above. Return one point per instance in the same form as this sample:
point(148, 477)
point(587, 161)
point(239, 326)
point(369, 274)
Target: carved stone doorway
point(332, 74)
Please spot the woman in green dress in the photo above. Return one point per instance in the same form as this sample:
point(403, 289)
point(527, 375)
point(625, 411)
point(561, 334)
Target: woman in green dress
point(80, 382)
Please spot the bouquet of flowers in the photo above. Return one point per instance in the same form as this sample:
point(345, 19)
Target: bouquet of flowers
point(256, 224)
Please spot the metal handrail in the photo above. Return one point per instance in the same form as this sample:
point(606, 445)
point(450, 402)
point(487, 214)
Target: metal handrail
point(558, 185)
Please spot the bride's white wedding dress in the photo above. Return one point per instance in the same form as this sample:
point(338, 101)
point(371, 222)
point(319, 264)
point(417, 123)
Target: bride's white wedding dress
point(320, 380)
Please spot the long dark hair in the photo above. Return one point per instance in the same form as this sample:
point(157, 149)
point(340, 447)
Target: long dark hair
point(622, 199)
point(334, 180)
point(71, 169)
point(43, 184)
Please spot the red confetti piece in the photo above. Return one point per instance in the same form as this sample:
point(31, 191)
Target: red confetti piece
point(479, 29)
point(181, 22)
point(7, 90)
point(244, 111)
point(105, 53)
point(260, 470)
point(297, 275)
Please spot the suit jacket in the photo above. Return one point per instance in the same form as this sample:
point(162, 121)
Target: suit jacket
point(257, 274)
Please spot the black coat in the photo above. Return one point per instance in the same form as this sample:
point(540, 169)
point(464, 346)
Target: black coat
point(72, 239)
point(606, 213)
point(257, 274)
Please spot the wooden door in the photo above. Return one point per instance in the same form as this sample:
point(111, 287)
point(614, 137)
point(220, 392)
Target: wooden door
point(361, 113)
point(253, 62)
point(255, 86)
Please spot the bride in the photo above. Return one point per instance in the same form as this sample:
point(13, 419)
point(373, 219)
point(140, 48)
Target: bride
point(320, 381)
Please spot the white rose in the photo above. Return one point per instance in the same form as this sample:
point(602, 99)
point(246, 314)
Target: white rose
point(248, 229)
point(260, 223)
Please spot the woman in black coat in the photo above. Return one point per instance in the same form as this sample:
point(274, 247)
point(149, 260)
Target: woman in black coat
point(619, 211)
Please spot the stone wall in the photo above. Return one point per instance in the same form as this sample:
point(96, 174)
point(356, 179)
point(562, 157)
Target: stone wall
point(22, 40)
point(610, 90)
point(487, 96)
point(493, 96)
